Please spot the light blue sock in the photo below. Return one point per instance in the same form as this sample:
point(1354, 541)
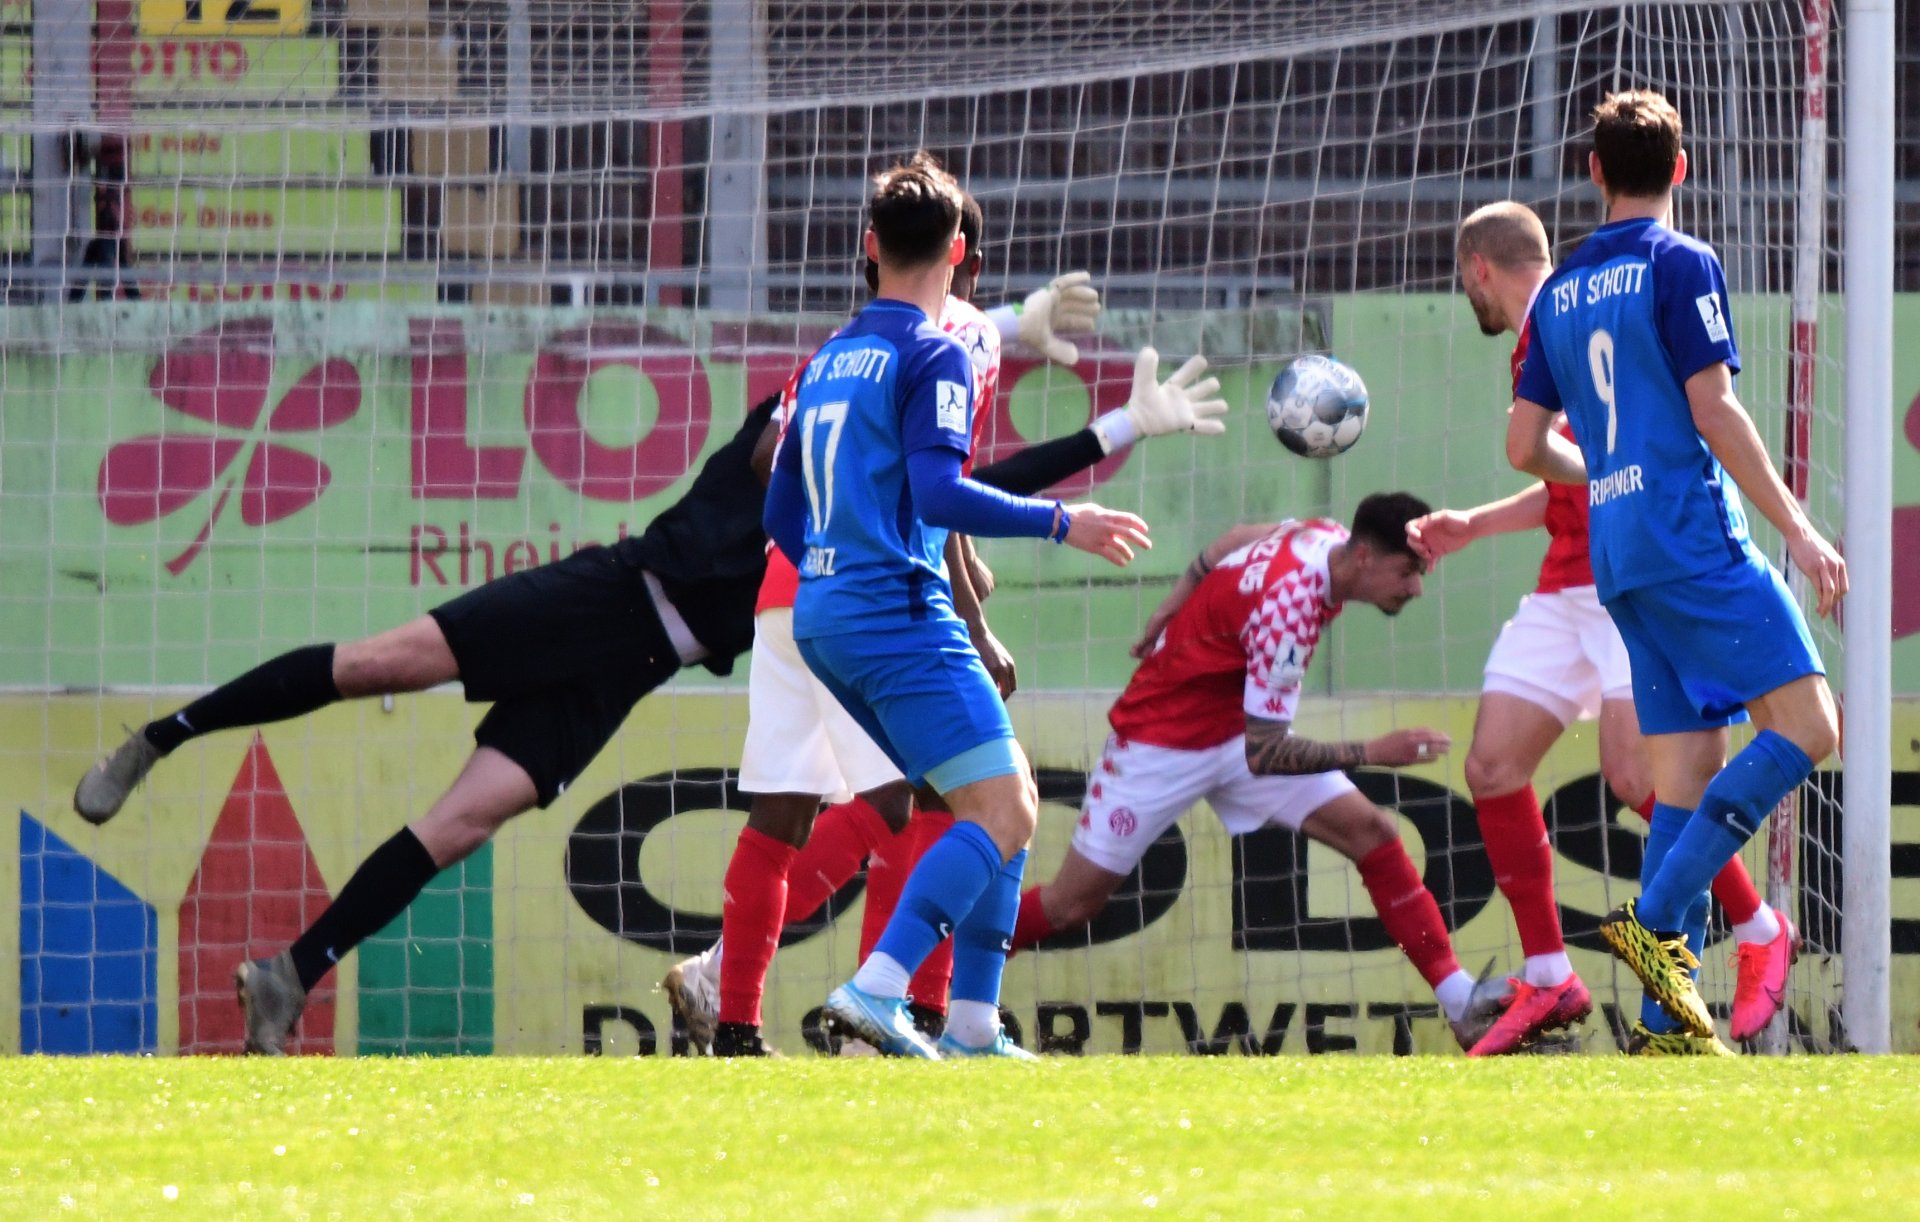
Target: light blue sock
point(980, 943)
point(944, 887)
point(1736, 803)
point(1662, 831)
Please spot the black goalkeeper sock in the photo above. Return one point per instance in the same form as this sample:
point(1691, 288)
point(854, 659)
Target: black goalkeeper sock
point(290, 685)
point(380, 890)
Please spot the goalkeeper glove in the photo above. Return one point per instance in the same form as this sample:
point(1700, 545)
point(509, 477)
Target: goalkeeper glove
point(1069, 305)
point(1176, 405)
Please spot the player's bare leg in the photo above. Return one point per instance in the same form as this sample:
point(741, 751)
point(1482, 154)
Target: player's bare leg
point(1370, 838)
point(409, 658)
point(490, 790)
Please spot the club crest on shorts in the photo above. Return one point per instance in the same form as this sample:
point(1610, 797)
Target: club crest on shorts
point(1122, 822)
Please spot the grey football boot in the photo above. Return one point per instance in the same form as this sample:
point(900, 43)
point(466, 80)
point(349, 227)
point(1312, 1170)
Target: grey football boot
point(103, 791)
point(270, 1000)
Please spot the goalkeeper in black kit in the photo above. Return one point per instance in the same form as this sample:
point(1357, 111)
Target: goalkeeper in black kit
point(562, 652)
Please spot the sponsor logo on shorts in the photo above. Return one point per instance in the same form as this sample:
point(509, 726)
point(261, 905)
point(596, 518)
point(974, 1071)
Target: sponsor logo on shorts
point(1121, 822)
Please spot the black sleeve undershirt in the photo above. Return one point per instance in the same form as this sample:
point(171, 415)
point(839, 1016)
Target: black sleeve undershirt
point(1043, 465)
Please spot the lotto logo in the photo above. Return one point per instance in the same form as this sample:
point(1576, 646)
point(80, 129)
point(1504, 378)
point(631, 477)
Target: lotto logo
point(1121, 822)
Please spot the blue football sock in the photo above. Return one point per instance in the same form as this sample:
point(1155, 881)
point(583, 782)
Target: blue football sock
point(1736, 803)
point(1662, 830)
point(980, 943)
point(944, 887)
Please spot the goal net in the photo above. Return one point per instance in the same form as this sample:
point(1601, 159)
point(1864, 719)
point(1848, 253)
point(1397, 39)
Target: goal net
point(323, 313)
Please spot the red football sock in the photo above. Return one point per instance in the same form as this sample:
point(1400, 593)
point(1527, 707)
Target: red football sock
point(1406, 908)
point(1733, 886)
point(756, 899)
point(932, 979)
point(842, 837)
point(1031, 927)
point(887, 871)
point(1522, 860)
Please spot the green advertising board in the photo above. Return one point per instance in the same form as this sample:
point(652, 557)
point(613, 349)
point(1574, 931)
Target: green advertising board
point(386, 457)
point(232, 220)
point(170, 145)
point(174, 70)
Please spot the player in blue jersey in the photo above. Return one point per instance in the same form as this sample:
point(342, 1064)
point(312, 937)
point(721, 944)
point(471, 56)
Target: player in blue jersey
point(1636, 346)
point(867, 484)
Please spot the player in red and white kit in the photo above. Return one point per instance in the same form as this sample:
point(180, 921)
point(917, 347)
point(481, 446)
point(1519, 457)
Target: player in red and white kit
point(1209, 715)
point(801, 744)
point(1558, 660)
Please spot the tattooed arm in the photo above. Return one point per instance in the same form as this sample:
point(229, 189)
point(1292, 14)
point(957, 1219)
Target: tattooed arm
point(1274, 750)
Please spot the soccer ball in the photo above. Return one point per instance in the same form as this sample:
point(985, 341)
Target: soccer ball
point(1317, 406)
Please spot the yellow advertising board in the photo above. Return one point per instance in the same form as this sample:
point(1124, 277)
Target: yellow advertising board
point(222, 18)
point(266, 220)
point(271, 70)
point(1257, 946)
point(168, 145)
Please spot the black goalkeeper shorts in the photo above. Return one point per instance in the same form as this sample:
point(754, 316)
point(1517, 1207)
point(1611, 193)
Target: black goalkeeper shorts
point(563, 652)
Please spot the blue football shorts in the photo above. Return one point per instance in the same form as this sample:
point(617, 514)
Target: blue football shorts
point(1703, 646)
point(922, 692)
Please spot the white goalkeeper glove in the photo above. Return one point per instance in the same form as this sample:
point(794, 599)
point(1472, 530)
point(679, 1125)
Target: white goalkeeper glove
point(1177, 405)
point(1070, 305)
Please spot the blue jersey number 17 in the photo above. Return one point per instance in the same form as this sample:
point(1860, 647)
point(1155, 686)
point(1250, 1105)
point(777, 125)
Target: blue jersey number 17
point(820, 427)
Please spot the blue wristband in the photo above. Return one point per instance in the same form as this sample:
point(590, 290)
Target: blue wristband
point(1059, 534)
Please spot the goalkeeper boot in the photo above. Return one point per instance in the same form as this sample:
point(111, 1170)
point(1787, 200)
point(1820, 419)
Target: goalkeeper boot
point(883, 1022)
point(952, 1049)
point(1664, 965)
point(1682, 1043)
point(693, 990)
point(740, 1040)
point(1760, 981)
point(270, 1002)
point(1532, 1011)
point(103, 791)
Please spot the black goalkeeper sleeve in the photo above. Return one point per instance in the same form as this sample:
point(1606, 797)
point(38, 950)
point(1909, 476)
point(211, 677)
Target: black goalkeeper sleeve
point(1043, 465)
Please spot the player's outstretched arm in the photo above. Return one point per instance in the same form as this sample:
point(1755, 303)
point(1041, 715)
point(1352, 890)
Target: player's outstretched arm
point(1181, 404)
point(1274, 750)
point(1212, 554)
point(1445, 531)
point(1728, 431)
point(1533, 446)
point(1068, 305)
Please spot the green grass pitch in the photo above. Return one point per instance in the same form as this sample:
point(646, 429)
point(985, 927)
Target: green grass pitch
point(1424, 1138)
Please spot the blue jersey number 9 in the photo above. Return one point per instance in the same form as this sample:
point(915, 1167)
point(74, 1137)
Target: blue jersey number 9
point(1600, 362)
point(819, 497)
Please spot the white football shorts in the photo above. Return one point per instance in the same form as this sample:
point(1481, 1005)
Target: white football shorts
point(1138, 791)
point(1561, 652)
point(799, 739)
